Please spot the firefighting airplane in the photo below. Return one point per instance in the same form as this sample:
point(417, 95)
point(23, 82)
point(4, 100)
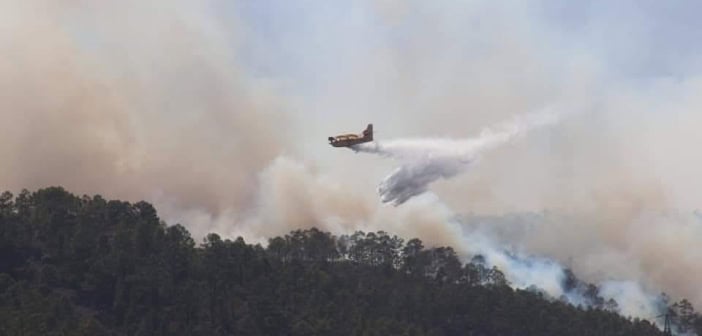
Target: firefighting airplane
point(348, 140)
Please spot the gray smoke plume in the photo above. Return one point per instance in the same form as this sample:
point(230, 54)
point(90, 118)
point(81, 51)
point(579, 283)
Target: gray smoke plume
point(424, 161)
point(532, 272)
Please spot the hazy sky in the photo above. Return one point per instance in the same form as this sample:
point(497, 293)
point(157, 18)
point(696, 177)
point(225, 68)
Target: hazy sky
point(312, 41)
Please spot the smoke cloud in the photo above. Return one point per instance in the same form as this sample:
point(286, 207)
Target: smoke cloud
point(132, 102)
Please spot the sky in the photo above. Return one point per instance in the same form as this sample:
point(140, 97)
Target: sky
point(218, 113)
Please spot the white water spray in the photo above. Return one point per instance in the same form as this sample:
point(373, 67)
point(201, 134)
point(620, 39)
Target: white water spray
point(424, 161)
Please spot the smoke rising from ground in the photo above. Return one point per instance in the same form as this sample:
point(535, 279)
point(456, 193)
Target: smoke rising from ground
point(424, 161)
point(531, 272)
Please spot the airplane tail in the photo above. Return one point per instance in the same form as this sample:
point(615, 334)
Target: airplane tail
point(368, 133)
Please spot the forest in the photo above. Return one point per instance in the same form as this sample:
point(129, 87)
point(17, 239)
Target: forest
point(84, 265)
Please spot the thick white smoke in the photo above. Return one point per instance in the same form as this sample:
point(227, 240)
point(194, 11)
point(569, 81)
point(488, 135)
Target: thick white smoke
point(424, 161)
point(525, 271)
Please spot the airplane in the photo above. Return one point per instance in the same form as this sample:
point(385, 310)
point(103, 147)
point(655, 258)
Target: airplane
point(348, 140)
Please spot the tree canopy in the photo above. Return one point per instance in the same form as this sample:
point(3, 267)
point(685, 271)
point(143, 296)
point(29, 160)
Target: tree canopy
point(74, 265)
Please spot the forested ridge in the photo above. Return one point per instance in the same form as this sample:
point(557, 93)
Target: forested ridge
point(74, 265)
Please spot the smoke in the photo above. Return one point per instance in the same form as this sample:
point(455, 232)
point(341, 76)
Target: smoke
point(295, 195)
point(133, 100)
point(542, 274)
point(424, 161)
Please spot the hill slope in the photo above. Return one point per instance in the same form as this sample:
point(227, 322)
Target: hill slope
point(88, 266)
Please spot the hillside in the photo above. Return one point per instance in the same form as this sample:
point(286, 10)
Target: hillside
point(74, 265)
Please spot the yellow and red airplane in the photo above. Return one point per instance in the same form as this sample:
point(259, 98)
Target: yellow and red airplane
point(348, 140)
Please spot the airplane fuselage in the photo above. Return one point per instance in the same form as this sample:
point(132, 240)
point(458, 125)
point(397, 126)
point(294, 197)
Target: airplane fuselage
point(347, 140)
